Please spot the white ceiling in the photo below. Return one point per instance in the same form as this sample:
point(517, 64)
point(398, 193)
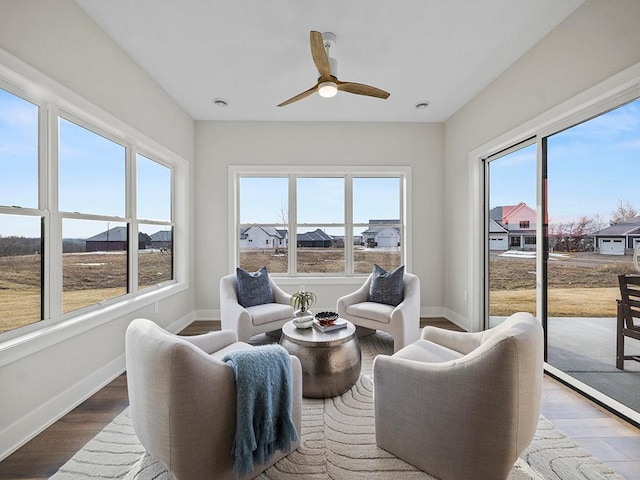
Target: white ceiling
point(255, 53)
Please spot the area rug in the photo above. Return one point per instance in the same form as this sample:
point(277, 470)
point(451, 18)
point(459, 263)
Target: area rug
point(337, 442)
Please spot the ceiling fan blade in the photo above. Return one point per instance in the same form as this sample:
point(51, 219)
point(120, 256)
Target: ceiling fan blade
point(300, 96)
point(319, 54)
point(361, 89)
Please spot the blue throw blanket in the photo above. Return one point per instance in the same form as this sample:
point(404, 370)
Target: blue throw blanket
point(264, 392)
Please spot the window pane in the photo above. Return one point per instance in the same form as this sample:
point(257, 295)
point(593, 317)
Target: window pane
point(593, 209)
point(154, 190)
point(18, 152)
point(155, 254)
point(92, 172)
point(264, 200)
point(320, 250)
point(20, 271)
point(376, 198)
point(376, 243)
point(511, 234)
point(320, 200)
point(94, 262)
point(264, 246)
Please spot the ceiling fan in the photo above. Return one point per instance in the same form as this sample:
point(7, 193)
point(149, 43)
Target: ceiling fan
point(328, 83)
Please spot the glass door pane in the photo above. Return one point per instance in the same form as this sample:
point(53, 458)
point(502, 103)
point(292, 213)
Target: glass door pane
point(510, 230)
point(593, 207)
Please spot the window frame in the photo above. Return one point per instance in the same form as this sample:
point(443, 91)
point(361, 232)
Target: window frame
point(236, 172)
point(41, 211)
point(599, 99)
point(56, 100)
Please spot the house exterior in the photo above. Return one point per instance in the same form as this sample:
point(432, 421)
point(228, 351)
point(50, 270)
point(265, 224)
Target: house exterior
point(519, 222)
point(113, 240)
point(161, 240)
point(380, 234)
point(315, 239)
point(619, 239)
point(498, 236)
point(263, 237)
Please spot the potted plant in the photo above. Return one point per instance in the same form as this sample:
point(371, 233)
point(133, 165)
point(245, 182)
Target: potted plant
point(301, 301)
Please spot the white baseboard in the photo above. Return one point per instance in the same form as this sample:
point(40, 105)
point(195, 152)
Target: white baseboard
point(27, 427)
point(456, 318)
point(207, 314)
point(181, 323)
point(431, 312)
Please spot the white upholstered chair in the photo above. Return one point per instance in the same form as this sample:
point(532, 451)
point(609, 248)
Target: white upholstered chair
point(462, 405)
point(250, 321)
point(401, 322)
point(183, 399)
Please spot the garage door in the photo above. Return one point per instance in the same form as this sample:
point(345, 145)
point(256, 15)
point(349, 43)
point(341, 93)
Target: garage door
point(497, 243)
point(612, 246)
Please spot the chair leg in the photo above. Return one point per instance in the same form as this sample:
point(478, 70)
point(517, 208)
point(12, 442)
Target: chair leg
point(620, 338)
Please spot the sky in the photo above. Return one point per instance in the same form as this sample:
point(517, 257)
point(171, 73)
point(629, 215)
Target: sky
point(319, 201)
point(91, 175)
point(591, 168)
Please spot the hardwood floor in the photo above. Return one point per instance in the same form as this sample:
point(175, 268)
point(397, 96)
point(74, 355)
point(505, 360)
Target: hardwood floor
point(609, 438)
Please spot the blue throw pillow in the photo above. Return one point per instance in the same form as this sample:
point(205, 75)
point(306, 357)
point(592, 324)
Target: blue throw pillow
point(254, 288)
point(386, 287)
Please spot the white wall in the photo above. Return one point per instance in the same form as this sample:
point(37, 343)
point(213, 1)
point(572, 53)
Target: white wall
point(597, 41)
point(40, 383)
point(220, 144)
point(60, 40)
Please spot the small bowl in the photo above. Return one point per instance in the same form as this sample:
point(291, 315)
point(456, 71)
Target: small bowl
point(326, 318)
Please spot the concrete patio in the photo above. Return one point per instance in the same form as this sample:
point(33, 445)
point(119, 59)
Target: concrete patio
point(585, 348)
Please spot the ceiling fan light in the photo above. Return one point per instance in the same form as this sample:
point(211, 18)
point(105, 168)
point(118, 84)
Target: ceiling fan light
point(328, 89)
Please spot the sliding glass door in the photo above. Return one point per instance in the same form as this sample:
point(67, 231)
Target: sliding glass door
point(563, 264)
point(593, 208)
point(510, 232)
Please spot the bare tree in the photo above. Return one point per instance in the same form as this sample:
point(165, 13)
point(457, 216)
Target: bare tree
point(597, 222)
point(572, 236)
point(624, 211)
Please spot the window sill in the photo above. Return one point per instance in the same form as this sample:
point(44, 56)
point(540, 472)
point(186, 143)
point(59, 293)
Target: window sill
point(22, 346)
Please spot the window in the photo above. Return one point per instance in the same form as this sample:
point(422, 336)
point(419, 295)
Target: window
point(320, 225)
point(21, 220)
point(343, 223)
point(70, 214)
point(155, 222)
point(524, 223)
point(376, 223)
point(92, 185)
point(263, 205)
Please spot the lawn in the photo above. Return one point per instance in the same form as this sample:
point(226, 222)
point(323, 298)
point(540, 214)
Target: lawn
point(318, 260)
point(88, 278)
point(577, 288)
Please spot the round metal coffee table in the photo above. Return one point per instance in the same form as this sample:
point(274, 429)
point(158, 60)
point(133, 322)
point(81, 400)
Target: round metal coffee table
point(330, 360)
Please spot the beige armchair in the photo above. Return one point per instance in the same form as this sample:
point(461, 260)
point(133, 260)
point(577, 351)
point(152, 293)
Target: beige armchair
point(462, 405)
point(401, 322)
point(250, 321)
point(183, 399)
